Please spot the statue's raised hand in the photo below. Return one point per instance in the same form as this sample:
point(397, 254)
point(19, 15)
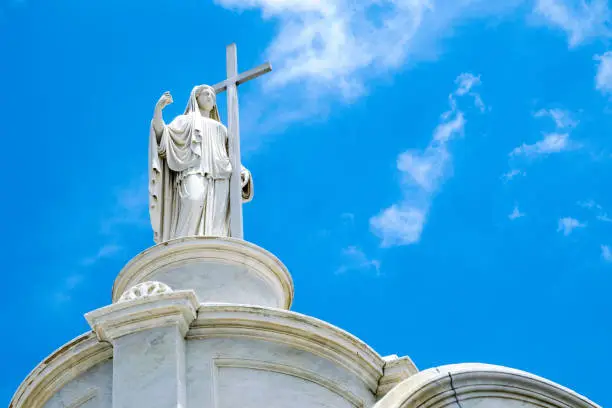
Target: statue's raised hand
point(165, 100)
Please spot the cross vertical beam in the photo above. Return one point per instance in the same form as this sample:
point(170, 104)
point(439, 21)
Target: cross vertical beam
point(233, 126)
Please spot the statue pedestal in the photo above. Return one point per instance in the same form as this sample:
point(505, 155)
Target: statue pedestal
point(219, 270)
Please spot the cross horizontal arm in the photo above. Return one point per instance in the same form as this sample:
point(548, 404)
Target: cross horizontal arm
point(244, 77)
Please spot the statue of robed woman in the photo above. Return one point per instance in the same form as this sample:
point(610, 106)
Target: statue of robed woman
point(190, 170)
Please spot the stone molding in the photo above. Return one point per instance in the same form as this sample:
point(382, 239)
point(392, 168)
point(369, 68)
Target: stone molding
point(311, 376)
point(396, 370)
point(443, 386)
point(293, 329)
point(62, 366)
point(227, 250)
point(211, 321)
point(166, 309)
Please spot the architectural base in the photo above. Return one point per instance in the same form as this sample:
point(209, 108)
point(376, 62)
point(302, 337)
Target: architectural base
point(219, 270)
point(199, 322)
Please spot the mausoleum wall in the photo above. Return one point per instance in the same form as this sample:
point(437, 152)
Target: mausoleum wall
point(91, 389)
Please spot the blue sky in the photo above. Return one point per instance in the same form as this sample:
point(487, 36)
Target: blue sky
point(434, 174)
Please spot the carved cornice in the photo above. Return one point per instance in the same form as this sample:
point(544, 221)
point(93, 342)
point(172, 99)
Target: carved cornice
point(131, 316)
point(294, 329)
point(443, 386)
point(396, 370)
point(226, 250)
point(211, 321)
point(295, 371)
point(61, 367)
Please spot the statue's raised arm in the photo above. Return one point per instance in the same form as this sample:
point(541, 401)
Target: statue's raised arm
point(158, 120)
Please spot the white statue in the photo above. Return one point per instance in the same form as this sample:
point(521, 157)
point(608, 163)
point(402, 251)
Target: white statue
point(190, 170)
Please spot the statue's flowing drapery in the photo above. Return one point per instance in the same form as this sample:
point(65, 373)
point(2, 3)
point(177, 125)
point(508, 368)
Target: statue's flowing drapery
point(189, 176)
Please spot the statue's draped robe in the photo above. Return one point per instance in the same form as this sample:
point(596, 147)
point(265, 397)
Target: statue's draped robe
point(189, 178)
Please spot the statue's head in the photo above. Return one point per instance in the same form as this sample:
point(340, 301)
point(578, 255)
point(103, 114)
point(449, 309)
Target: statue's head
point(203, 97)
point(206, 97)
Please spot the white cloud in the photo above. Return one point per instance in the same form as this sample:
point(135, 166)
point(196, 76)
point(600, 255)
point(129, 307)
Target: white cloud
point(606, 253)
point(562, 118)
point(355, 259)
point(423, 171)
point(466, 82)
point(512, 174)
point(325, 50)
point(329, 42)
point(515, 214)
point(104, 252)
point(604, 217)
point(552, 143)
point(568, 224)
point(603, 78)
point(131, 207)
point(590, 204)
point(399, 224)
point(581, 20)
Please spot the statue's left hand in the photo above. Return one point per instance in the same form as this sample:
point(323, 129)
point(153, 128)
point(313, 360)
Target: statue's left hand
point(244, 178)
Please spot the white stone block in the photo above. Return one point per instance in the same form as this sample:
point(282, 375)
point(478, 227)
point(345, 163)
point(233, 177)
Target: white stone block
point(149, 369)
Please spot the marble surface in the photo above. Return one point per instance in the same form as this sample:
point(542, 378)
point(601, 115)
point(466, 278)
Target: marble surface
point(216, 365)
point(92, 389)
point(149, 369)
point(474, 385)
point(219, 270)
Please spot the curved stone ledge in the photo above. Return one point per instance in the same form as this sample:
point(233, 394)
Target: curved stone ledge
point(61, 367)
point(213, 321)
point(218, 269)
point(293, 329)
point(444, 386)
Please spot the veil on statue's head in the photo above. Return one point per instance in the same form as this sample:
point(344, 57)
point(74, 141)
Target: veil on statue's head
point(192, 105)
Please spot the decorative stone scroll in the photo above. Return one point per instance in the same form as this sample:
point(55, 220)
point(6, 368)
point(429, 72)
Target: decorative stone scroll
point(145, 289)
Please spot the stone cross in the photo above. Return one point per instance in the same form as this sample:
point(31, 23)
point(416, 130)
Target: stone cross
point(231, 86)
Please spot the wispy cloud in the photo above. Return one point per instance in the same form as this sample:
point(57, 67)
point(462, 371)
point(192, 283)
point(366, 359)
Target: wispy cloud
point(512, 174)
point(567, 224)
point(465, 82)
point(553, 142)
point(422, 172)
point(604, 217)
point(329, 50)
point(600, 213)
point(400, 224)
point(606, 253)
point(516, 213)
point(104, 252)
point(563, 119)
point(589, 204)
point(130, 208)
point(354, 259)
point(330, 42)
point(603, 78)
point(64, 294)
point(581, 20)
